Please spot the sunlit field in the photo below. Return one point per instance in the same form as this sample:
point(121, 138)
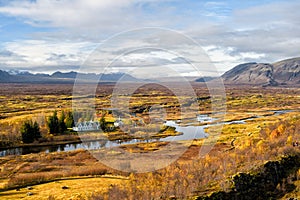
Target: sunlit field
point(259, 133)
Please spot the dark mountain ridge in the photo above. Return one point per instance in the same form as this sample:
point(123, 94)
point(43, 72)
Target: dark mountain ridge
point(61, 77)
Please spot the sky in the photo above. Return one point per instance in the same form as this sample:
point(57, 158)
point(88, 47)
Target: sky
point(43, 36)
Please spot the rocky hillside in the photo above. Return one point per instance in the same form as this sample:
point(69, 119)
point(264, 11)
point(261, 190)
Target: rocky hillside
point(286, 72)
point(262, 183)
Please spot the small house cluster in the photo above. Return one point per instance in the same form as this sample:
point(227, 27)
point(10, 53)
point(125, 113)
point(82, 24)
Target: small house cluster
point(118, 122)
point(204, 118)
point(87, 126)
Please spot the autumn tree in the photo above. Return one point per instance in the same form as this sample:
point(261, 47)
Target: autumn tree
point(70, 120)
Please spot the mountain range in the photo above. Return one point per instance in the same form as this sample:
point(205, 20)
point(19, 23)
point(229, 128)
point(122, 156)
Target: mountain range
point(60, 77)
point(285, 72)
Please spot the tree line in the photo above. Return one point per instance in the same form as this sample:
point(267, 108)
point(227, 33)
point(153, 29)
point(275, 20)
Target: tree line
point(30, 130)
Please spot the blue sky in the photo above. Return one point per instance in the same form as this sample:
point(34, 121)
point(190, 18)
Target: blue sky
point(51, 35)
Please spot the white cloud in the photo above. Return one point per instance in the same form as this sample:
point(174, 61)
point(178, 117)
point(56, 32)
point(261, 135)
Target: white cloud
point(230, 36)
point(37, 53)
point(269, 15)
point(84, 17)
point(263, 33)
point(224, 57)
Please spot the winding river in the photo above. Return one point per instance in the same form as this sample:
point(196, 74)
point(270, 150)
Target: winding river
point(188, 133)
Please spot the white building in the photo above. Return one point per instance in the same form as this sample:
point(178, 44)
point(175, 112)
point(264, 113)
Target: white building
point(204, 118)
point(118, 122)
point(87, 126)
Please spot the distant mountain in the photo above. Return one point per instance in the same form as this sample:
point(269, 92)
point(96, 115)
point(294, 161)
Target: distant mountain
point(64, 75)
point(41, 75)
point(205, 79)
point(286, 72)
point(95, 77)
point(118, 76)
point(60, 77)
point(4, 76)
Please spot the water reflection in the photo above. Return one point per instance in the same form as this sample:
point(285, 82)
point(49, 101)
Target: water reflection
point(188, 132)
point(53, 148)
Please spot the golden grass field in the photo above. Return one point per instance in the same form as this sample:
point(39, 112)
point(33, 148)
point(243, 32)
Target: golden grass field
point(239, 148)
point(78, 188)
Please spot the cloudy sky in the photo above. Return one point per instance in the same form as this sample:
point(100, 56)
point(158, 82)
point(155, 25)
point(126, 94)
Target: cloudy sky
point(51, 35)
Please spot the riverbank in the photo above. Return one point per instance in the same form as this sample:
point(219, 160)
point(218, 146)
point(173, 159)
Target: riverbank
point(171, 132)
point(86, 140)
point(49, 141)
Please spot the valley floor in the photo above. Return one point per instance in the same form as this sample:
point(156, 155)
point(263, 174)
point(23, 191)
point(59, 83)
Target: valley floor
point(241, 147)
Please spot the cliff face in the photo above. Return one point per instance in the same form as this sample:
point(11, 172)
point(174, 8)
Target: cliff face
point(279, 73)
point(261, 184)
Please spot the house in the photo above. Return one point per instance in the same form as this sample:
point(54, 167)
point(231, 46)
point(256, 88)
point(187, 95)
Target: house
point(118, 122)
point(204, 118)
point(87, 126)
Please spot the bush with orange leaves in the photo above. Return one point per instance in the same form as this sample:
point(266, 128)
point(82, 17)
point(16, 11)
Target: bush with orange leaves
point(200, 176)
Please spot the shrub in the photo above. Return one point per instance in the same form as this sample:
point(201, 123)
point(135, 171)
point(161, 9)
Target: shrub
point(30, 131)
point(53, 123)
point(56, 125)
point(32, 178)
point(70, 120)
point(61, 123)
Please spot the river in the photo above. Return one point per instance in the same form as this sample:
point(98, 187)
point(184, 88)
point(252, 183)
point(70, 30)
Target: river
point(188, 133)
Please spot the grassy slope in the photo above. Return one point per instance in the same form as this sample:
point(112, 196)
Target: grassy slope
point(79, 188)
